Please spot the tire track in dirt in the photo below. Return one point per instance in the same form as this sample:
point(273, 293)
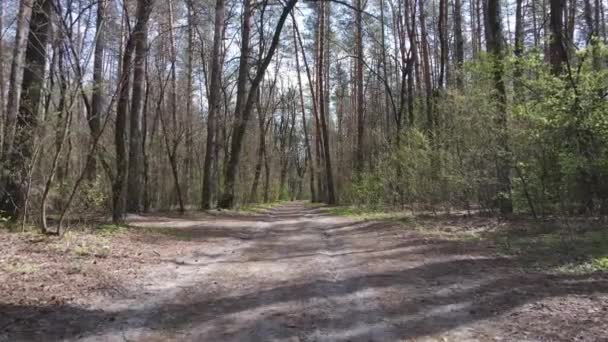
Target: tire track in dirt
point(295, 273)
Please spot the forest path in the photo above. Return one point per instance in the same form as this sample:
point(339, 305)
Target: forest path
point(295, 273)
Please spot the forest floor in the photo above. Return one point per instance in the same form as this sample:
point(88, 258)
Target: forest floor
point(298, 273)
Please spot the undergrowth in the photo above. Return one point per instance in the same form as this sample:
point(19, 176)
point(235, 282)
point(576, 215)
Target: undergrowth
point(541, 246)
point(580, 252)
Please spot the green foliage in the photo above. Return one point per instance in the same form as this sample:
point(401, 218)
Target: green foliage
point(95, 196)
point(367, 190)
point(559, 134)
point(399, 175)
point(451, 167)
point(557, 143)
point(600, 264)
point(4, 220)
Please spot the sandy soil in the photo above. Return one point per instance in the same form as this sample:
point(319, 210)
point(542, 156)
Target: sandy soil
point(290, 274)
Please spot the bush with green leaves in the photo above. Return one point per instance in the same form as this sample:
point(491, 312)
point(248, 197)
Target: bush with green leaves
point(557, 143)
point(560, 136)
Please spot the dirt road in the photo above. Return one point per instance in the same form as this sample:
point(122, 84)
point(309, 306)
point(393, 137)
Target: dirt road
point(297, 274)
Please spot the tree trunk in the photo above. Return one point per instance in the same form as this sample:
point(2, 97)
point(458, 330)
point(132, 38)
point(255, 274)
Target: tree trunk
point(175, 142)
point(473, 26)
point(144, 8)
point(19, 159)
point(315, 111)
point(413, 77)
point(144, 144)
point(135, 174)
point(557, 48)
point(120, 135)
point(98, 83)
point(588, 15)
point(331, 196)
point(61, 135)
point(214, 104)
point(519, 29)
point(402, 26)
point(458, 41)
point(479, 16)
point(601, 21)
point(385, 76)
point(571, 17)
point(443, 43)
point(171, 149)
point(261, 150)
point(304, 122)
point(2, 88)
point(238, 133)
point(16, 75)
point(519, 48)
point(427, 70)
point(359, 97)
point(495, 48)
point(534, 22)
point(240, 117)
point(266, 177)
point(286, 143)
point(593, 33)
point(189, 163)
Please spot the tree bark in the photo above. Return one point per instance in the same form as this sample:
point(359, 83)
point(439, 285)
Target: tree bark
point(495, 48)
point(144, 8)
point(135, 173)
point(413, 76)
point(479, 16)
point(427, 71)
point(238, 133)
point(240, 117)
point(443, 44)
point(214, 104)
point(458, 42)
point(315, 110)
point(557, 47)
point(473, 26)
point(177, 131)
point(592, 32)
point(94, 118)
point(261, 150)
point(189, 162)
point(359, 97)
point(16, 74)
point(331, 196)
point(62, 132)
point(304, 122)
point(589, 22)
point(2, 86)
point(19, 159)
point(519, 29)
point(519, 48)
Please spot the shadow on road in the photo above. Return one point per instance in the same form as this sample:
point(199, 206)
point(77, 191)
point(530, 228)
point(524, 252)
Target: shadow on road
point(430, 286)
